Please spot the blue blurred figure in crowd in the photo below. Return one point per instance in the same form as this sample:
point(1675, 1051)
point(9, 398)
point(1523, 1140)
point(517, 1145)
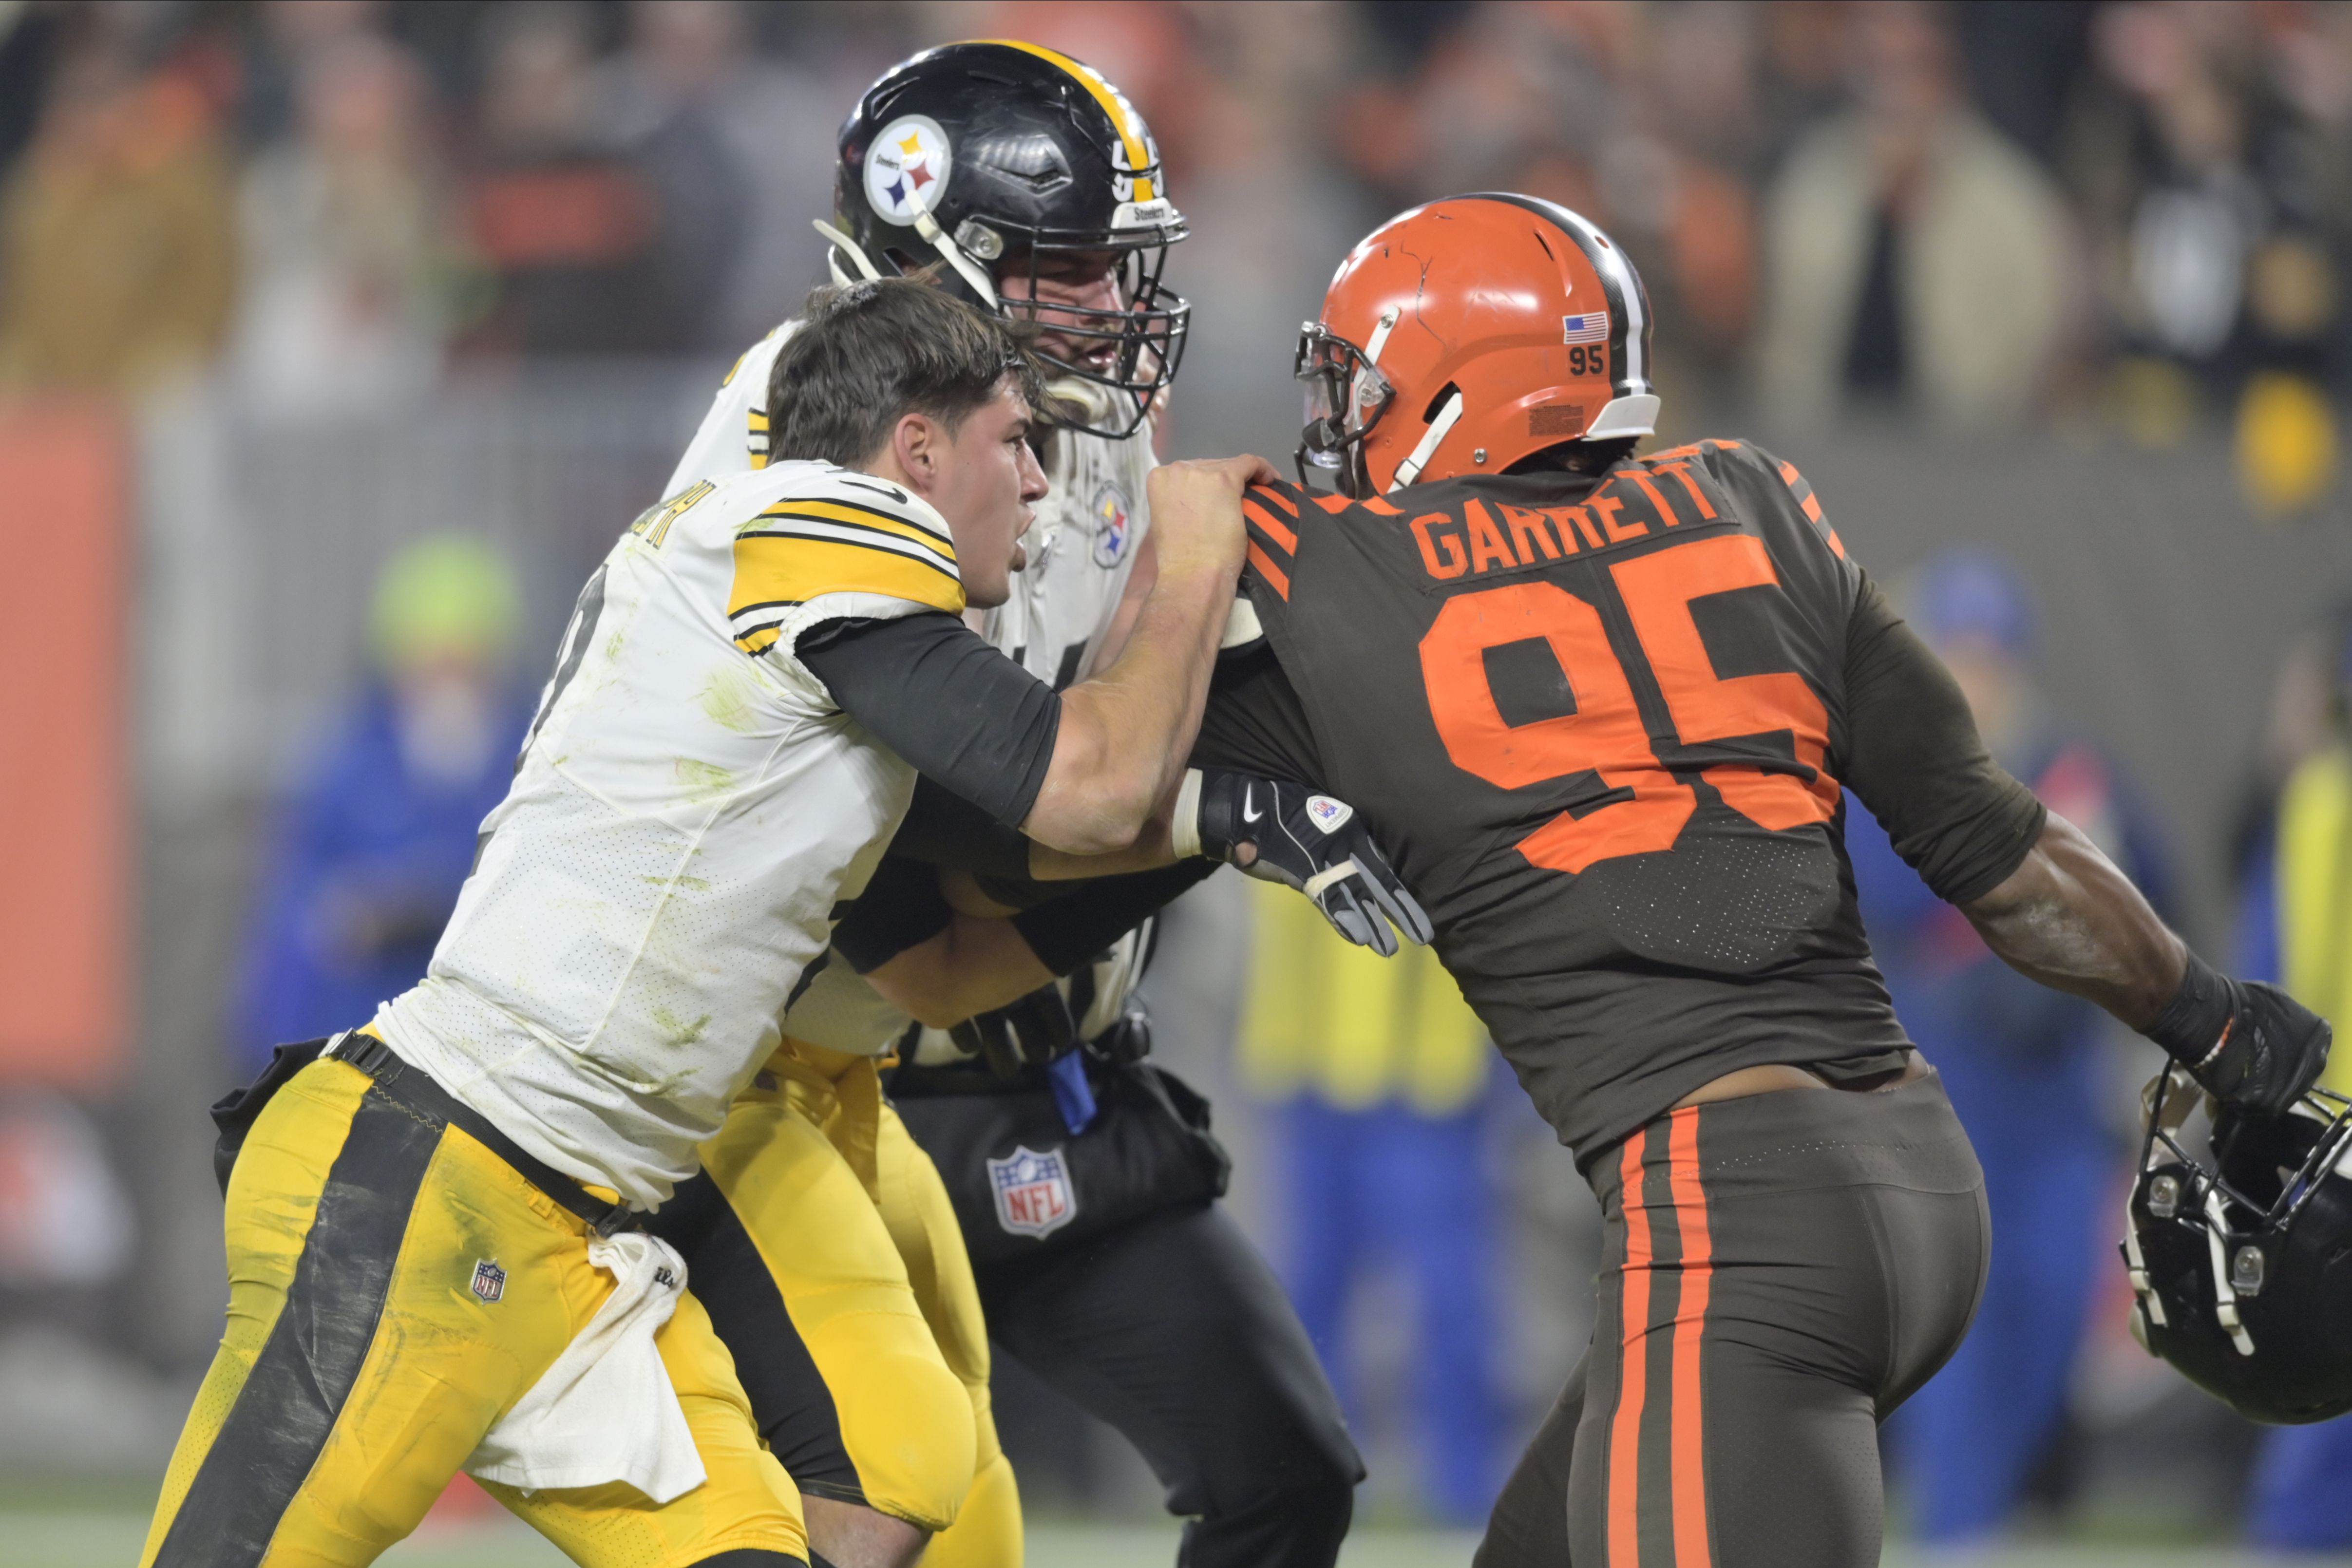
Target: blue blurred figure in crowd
point(2294, 929)
point(2023, 1064)
point(370, 849)
point(1381, 1072)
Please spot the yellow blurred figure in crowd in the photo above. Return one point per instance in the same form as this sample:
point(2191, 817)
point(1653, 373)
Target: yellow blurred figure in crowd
point(1380, 1070)
point(2314, 891)
point(2286, 443)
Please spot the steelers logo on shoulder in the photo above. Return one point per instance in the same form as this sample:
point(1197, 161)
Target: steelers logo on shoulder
point(1111, 525)
point(906, 165)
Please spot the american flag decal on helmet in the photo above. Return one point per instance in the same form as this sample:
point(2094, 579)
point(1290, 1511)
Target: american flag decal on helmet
point(1592, 326)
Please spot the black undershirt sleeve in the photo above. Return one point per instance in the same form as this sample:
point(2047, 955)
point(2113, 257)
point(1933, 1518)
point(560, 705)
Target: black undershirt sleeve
point(935, 692)
point(1914, 757)
point(1066, 932)
point(944, 829)
point(901, 907)
point(1254, 722)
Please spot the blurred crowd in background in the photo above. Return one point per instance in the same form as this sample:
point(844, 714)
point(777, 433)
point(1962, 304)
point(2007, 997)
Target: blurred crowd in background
point(2119, 233)
point(1993, 214)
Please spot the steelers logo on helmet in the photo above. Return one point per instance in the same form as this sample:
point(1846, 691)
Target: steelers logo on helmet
point(908, 165)
point(995, 161)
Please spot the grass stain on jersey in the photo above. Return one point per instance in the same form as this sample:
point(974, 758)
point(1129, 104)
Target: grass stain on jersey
point(676, 1031)
point(703, 780)
point(683, 883)
point(728, 699)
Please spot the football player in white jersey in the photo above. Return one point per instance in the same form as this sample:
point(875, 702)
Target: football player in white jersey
point(432, 1241)
point(1021, 180)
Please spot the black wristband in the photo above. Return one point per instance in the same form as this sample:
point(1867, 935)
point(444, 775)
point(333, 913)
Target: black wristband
point(1067, 932)
point(2191, 1026)
point(1218, 814)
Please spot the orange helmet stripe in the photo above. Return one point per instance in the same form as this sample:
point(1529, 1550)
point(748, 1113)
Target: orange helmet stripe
point(1123, 118)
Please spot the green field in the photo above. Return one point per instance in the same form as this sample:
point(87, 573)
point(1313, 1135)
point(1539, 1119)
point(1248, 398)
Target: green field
point(34, 1537)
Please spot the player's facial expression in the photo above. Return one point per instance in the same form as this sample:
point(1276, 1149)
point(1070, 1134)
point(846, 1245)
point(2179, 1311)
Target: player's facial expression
point(1090, 280)
point(986, 485)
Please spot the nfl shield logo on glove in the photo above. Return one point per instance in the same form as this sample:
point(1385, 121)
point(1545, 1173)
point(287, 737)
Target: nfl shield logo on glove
point(1327, 813)
point(490, 1282)
point(1033, 1197)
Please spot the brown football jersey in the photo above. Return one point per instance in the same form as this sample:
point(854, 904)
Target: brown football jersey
point(1602, 727)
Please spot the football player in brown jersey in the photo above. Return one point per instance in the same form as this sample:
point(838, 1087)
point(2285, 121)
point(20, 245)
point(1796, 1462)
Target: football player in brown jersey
point(1601, 714)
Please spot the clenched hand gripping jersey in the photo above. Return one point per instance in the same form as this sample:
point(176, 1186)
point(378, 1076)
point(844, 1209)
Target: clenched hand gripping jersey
point(690, 811)
point(1603, 729)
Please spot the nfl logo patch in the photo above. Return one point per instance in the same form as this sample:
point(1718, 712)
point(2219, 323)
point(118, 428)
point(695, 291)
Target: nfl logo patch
point(490, 1282)
point(1033, 1197)
point(1327, 813)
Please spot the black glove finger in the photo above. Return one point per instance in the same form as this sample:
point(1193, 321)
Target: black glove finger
point(1403, 911)
point(2281, 1045)
point(2296, 1059)
point(1127, 1041)
point(1347, 909)
point(1041, 1022)
point(986, 1036)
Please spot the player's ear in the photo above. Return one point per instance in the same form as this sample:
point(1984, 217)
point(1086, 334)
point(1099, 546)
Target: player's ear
point(915, 442)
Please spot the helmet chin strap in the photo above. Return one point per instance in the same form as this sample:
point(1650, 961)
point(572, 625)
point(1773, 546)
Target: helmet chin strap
point(970, 271)
point(1439, 429)
point(1093, 400)
point(844, 246)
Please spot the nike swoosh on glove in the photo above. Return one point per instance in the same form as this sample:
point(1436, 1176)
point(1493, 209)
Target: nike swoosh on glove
point(1316, 844)
point(2245, 1042)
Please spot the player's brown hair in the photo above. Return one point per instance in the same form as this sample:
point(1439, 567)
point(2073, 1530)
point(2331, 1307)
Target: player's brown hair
point(867, 354)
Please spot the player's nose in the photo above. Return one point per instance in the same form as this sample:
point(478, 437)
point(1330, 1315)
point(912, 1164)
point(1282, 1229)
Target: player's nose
point(1033, 476)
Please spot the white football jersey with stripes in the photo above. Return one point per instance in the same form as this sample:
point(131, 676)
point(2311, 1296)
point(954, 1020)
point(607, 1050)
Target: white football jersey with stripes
point(1081, 550)
point(688, 813)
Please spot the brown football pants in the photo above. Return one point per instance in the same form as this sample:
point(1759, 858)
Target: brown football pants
point(1779, 1273)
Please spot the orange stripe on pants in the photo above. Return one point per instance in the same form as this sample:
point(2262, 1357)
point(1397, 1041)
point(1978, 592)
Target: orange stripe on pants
point(1626, 1427)
point(1688, 1433)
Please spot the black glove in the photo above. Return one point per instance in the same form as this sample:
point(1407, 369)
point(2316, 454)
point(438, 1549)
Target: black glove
point(1128, 1041)
point(1035, 1030)
point(2246, 1043)
point(1314, 843)
point(1055, 1017)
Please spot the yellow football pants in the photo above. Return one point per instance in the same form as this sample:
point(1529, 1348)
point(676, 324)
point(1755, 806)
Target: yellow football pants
point(363, 1362)
point(854, 1227)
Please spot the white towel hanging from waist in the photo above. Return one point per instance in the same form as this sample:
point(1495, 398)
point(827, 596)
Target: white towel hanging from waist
point(604, 1411)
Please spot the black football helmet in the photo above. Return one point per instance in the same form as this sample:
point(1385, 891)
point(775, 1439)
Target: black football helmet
point(2241, 1262)
point(991, 157)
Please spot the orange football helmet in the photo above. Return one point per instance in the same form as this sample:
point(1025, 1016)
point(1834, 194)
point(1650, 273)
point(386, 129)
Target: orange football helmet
point(1463, 335)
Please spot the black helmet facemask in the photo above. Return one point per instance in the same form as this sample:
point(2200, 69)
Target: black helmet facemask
point(2240, 1259)
point(1005, 161)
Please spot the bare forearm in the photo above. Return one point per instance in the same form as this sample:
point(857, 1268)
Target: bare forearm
point(2071, 920)
point(1141, 577)
point(975, 966)
point(1125, 735)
